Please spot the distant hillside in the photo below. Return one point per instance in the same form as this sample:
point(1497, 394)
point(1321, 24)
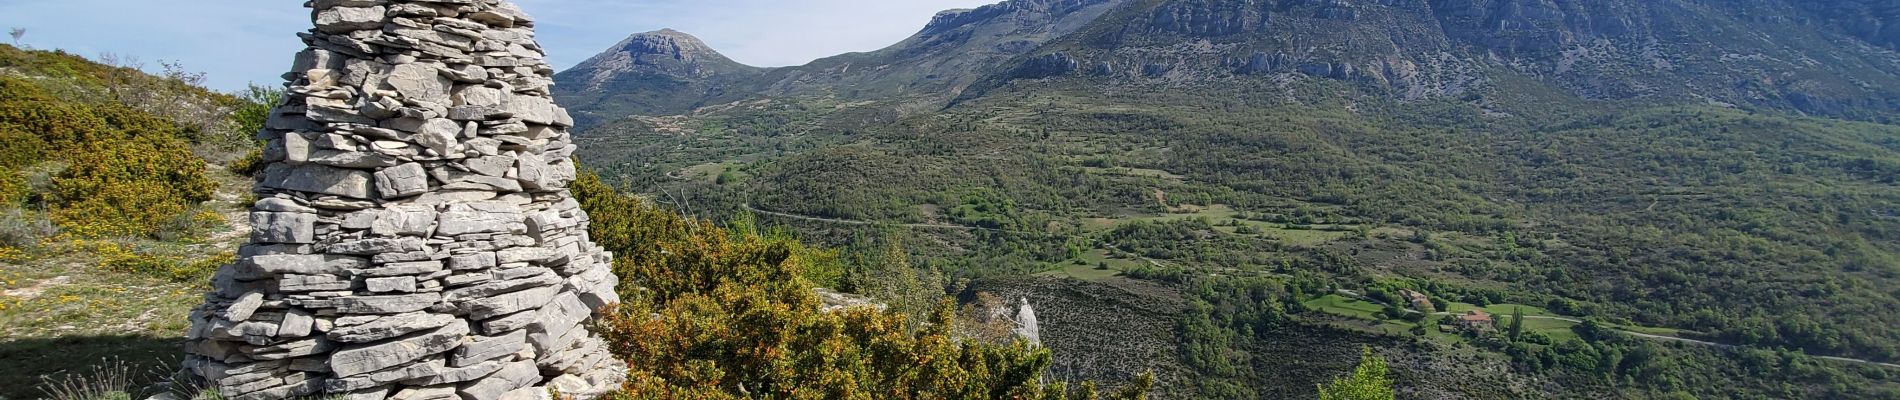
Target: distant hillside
point(667, 72)
point(1817, 57)
point(1807, 56)
point(1714, 170)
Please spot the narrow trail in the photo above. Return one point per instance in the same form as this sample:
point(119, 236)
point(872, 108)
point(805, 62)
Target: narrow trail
point(748, 207)
point(1349, 293)
point(1694, 341)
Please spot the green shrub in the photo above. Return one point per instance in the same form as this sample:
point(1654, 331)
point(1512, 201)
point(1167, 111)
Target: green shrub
point(255, 104)
point(127, 173)
point(249, 165)
point(190, 226)
point(20, 228)
point(118, 258)
point(717, 313)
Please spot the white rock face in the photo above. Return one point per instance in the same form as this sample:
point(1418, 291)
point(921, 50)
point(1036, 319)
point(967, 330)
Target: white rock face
point(414, 236)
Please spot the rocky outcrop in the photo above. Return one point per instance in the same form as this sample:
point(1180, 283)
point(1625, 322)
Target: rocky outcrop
point(414, 238)
point(1821, 60)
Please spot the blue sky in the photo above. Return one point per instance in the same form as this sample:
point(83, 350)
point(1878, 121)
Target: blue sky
point(240, 41)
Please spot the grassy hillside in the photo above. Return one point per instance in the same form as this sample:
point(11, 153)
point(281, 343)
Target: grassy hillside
point(1767, 230)
point(117, 202)
point(121, 213)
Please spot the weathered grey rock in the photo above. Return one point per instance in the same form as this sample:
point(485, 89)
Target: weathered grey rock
point(465, 279)
point(297, 323)
point(459, 180)
point(346, 19)
point(439, 135)
point(483, 349)
point(477, 261)
point(244, 307)
point(423, 369)
point(402, 181)
point(281, 205)
point(512, 377)
point(493, 288)
point(420, 82)
point(510, 303)
point(477, 95)
point(554, 321)
point(533, 172)
point(398, 284)
point(526, 255)
point(362, 359)
point(304, 264)
point(484, 217)
point(535, 110)
point(458, 375)
point(426, 393)
point(405, 221)
point(378, 246)
point(292, 349)
point(393, 304)
point(312, 283)
point(283, 227)
point(391, 258)
point(529, 393)
point(318, 179)
point(352, 159)
point(390, 326)
point(503, 324)
point(495, 166)
point(402, 269)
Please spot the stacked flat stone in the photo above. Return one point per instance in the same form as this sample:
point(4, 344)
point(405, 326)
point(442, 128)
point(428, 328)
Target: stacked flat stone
point(413, 234)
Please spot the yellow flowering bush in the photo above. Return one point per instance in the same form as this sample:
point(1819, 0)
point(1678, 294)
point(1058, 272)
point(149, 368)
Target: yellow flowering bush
point(717, 313)
point(117, 257)
point(127, 171)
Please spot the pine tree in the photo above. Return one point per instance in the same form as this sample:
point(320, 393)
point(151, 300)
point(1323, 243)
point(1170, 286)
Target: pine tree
point(1367, 382)
point(1517, 323)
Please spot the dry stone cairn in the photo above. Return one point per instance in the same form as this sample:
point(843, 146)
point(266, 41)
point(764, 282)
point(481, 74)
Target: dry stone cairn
point(414, 237)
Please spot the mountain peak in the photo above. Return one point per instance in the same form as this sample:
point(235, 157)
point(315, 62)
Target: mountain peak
point(668, 33)
point(647, 65)
point(667, 43)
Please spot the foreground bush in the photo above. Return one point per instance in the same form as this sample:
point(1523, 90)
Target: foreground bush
point(126, 172)
point(713, 313)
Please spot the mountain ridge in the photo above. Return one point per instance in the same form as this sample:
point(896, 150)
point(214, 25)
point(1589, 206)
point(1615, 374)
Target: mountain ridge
point(1711, 170)
point(1824, 58)
point(928, 68)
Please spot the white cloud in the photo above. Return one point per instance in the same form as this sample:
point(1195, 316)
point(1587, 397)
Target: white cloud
point(241, 41)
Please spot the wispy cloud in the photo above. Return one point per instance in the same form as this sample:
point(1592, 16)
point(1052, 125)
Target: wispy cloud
point(240, 41)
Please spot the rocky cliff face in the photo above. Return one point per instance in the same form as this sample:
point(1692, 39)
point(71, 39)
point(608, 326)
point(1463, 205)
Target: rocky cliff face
point(1824, 57)
point(413, 234)
point(1876, 21)
point(1719, 51)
